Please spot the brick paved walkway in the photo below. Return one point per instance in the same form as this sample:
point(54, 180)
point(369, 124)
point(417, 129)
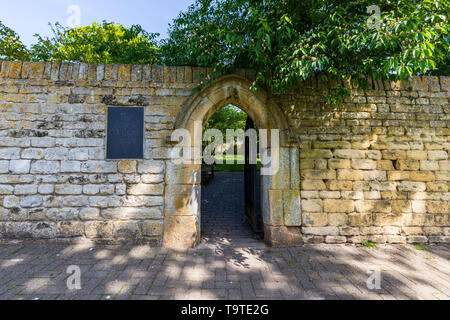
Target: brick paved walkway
point(38, 271)
point(230, 264)
point(223, 216)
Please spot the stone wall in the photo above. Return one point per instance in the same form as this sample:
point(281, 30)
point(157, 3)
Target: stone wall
point(375, 168)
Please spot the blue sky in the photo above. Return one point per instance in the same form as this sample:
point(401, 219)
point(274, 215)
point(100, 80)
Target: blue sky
point(28, 17)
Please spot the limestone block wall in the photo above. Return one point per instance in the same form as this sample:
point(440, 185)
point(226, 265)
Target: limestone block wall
point(55, 181)
point(375, 168)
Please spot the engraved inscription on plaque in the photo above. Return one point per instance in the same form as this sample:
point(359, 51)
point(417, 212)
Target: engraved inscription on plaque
point(125, 138)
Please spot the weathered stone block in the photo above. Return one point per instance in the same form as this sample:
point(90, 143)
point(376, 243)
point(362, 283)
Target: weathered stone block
point(340, 185)
point(182, 200)
point(6, 190)
point(335, 239)
point(360, 219)
point(45, 167)
point(68, 189)
point(398, 175)
point(69, 229)
point(151, 167)
point(145, 189)
point(339, 163)
point(321, 231)
point(385, 165)
point(393, 154)
point(126, 230)
point(314, 205)
point(309, 174)
point(275, 207)
point(365, 164)
point(25, 189)
point(291, 207)
point(330, 194)
point(372, 206)
point(281, 236)
point(131, 213)
point(407, 165)
point(437, 187)
point(418, 220)
point(337, 219)
point(422, 176)
point(349, 154)
point(331, 205)
point(60, 214)
point(315, 219)
point(19, 166)
point(43, 230)
point(437, 155)
point(438, 207)
point(349, 174)
point(316, 154)
point(152, 228)
point(180, 231)
point(31, 201)
point(90, 214)
point(70, 166)
point(313, 185)
point(411, 186)
point(99, 229)
point(99, 167)
point(349, 231)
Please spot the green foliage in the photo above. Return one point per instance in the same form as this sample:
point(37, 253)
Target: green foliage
point(228, 117)
point(11, 48)
point(98, 43)
point(287, 41)
point(420, 247)
point(368, 244)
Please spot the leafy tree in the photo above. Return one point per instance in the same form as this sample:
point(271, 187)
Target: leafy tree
point(11, 48)
point(98, 43)
point(229, 117)
point(286, 41)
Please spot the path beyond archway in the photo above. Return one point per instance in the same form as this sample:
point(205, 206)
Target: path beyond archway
point(223, 220)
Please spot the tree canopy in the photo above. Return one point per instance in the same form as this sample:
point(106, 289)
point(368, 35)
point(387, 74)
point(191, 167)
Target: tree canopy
point(11, 48)
point(284, 41)
point(98, 43)
point(229, 117)
point(289, 40)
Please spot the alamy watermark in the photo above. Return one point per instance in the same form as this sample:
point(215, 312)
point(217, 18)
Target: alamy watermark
point(74, 19)
point(374, 280)
point(374, 21)
point(189, 148)
point(74, 280)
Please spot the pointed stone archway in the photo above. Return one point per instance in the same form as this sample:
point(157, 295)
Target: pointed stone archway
point(280, 193)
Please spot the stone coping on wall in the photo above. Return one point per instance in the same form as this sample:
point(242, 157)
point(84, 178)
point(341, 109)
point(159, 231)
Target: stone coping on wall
point(122, 73)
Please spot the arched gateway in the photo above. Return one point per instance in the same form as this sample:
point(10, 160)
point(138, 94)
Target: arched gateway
point(280, 195)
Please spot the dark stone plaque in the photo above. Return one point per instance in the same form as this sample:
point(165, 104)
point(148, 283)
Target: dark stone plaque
point(125, 138)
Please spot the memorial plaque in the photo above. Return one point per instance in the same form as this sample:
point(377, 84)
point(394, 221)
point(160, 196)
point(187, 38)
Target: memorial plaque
point(125, 137)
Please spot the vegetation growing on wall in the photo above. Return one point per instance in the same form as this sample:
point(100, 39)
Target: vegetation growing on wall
point(285, 41)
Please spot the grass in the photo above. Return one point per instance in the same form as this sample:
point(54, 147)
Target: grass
point(235, 166)
point(368, 244)
point(420, 247)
